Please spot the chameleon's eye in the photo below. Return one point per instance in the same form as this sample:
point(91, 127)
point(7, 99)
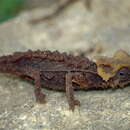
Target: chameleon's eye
point(122, 77)
point(123, 72)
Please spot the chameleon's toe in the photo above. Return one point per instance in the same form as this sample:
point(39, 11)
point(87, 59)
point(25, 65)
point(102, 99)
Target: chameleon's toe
point(41, 98)
point(73, 103)
point(77, 102)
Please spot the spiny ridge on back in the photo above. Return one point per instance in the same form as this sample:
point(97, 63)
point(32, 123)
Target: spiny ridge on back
point(70, 60)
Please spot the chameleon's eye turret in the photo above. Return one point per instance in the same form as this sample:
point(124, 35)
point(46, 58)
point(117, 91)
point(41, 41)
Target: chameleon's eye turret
point(121, 78)
point(123, 73)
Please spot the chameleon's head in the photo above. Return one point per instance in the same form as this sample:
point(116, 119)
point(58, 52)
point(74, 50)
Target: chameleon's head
point(121, 78)
point(115, 70)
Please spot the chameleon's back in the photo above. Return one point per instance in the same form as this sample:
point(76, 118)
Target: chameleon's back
point(52, 73)
point(52, 66)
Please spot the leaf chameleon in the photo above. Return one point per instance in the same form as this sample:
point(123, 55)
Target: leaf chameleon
point(63, 72)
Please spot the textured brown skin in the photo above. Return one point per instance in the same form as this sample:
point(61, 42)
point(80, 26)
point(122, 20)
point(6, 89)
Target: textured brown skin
point(57, 71)
point(120, 79)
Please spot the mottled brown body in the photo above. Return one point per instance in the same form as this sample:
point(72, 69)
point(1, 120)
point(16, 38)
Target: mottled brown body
point(57, 71)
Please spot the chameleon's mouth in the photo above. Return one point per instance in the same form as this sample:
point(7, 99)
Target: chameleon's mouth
point(118, 83)
point(124, 83)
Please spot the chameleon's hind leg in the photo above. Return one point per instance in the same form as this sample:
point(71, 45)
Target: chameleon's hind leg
point(27, 72)
point(70, 92)
point(35, 75)
point(40, 97)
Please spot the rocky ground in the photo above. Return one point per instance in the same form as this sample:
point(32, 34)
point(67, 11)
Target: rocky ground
point(103, 29)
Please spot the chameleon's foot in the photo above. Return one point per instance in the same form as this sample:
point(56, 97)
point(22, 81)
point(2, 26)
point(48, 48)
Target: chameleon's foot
point(40, 97)
point(73, 103)
point(77, 102)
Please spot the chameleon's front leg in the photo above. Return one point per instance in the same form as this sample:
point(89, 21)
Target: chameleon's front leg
point(70, 92)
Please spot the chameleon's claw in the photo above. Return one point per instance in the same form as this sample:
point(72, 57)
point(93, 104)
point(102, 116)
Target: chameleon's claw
point(73, 103)
point(40, 97)
point(77, 102)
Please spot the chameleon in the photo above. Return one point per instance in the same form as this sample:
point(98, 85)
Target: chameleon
point(65, 72)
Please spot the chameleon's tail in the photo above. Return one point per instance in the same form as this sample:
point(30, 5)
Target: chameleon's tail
point(6, 65)
point(7, 68)
point(5, 59)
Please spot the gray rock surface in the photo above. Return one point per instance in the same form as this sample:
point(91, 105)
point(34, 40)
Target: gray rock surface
point(107, 24)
